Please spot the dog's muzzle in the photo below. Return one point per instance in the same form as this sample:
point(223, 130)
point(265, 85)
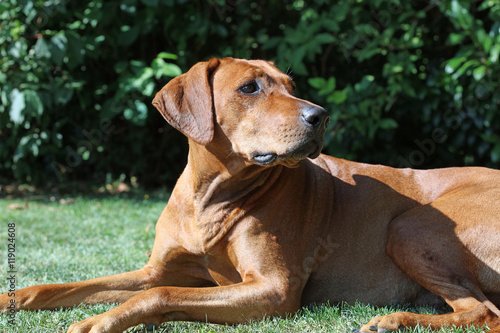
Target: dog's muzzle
point(303, 139)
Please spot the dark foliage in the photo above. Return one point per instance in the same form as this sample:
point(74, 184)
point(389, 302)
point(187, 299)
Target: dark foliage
point(408, 83)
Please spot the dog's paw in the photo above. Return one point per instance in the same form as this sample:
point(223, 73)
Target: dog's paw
point(97, 324)
point(373, 328)
point(5, 303)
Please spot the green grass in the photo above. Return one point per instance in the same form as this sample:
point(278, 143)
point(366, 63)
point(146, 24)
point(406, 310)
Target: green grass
point(93, 237)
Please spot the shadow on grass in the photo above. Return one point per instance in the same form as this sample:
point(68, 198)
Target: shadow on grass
point(64, 193)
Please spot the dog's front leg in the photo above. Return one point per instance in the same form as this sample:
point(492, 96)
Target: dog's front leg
point(238, 303)
point(109, 289)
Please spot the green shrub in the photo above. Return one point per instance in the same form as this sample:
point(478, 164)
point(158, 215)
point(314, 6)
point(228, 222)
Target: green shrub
point(408, 83)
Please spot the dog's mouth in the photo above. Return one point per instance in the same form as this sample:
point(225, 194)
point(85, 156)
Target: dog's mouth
point(309, 150)
point(264, 159)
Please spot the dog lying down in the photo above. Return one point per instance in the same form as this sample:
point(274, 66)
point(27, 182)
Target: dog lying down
point(260, 223)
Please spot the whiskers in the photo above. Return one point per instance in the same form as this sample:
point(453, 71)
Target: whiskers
point(289, 72)
point(231, 152)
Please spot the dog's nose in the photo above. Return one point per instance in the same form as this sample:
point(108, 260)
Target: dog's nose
point(314, 116)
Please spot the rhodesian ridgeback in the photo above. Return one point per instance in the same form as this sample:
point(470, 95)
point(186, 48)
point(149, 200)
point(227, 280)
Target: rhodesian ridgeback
point(260, 223)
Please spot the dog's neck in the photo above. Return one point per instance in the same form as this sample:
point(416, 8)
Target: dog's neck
point(224, 179)
point(224, 189)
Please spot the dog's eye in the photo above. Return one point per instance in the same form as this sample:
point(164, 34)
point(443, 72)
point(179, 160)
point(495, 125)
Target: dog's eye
point(249, 88)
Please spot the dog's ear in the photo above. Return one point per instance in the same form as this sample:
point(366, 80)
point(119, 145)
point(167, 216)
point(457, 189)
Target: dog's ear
point(186, 102)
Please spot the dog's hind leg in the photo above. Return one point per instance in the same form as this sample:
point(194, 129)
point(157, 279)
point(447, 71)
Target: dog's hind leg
point(423, 243)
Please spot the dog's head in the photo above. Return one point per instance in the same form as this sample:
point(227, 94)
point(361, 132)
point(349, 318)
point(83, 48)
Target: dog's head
point(251, 104)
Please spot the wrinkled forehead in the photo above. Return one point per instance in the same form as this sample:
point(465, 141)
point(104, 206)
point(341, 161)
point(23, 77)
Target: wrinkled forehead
point(235, 73)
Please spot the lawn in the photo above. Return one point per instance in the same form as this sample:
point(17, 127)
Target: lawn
point(63, 240)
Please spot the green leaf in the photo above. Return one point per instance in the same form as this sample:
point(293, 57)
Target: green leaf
point(42, 49)
point(462, 14)
point(128, 35)
point(138, 114)
point(487, 4)
point(17, 49)
point(366, 29)
point(144, 77)
point(495, 52)
point(148, 89)
point(166, 55)
point(33, 102)
point(495, 153)
point(329, 87)
point(479, 72)
point(128, 113)
point(388, 123)
point(17, 106)
point(142, 109)
point(464, 68)
point(484, 39)
point(162, 68)
point(340, 10)
point(456, 38)
point(453, 64)
point(58, 48)
point(75, 50)
point(368, 52)
point(491, 138)
point(324, 38)
point(365, 83)
point(338, 97)
point(317, 82)
point(76, 25)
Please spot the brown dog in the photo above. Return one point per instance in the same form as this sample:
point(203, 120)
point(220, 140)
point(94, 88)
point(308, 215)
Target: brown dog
point(260, 223)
